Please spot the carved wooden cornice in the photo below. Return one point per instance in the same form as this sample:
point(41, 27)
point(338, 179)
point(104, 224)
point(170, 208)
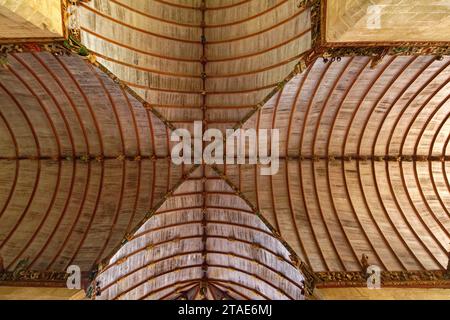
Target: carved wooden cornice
point(70, 19)
point(54, 47)
point(29, 278)
point(413, 279)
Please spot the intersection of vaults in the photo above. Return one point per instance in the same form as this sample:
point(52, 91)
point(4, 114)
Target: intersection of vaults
point(88, 102)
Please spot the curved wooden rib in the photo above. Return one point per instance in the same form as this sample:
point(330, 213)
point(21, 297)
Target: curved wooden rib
point(231, 250)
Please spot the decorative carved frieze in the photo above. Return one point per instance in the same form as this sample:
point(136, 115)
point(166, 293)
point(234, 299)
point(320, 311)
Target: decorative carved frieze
point(56, 47)
point(33, 276)
point(436, 279)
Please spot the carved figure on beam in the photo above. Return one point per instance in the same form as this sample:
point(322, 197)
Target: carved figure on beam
point(365, 263)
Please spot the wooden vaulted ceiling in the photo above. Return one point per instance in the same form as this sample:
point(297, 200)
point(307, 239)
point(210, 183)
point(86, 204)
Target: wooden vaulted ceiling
point(88, 179)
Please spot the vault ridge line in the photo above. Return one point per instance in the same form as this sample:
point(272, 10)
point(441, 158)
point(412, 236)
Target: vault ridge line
point(72, 46)
point(351, 157)
point(306, 59)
